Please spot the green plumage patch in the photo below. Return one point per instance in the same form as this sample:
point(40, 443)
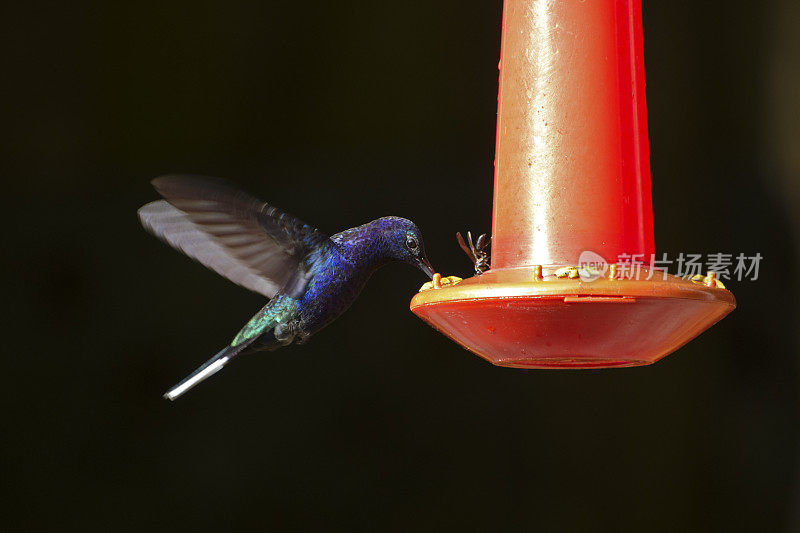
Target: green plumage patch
point(279, 309)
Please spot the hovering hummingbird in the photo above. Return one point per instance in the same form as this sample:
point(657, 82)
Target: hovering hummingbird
point(309, 277)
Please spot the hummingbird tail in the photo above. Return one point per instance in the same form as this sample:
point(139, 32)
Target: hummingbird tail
point(210, 367)
point(279, 309)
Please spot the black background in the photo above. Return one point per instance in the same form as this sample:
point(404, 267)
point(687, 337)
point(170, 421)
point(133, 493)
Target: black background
point(342, 112)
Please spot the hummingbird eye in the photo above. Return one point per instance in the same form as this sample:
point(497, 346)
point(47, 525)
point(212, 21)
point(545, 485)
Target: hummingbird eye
point(411, 243)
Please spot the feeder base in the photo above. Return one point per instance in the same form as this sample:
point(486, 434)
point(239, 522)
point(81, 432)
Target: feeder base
point(530, 318)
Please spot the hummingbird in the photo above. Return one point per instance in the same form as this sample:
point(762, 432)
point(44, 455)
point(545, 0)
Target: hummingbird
point(309, 278)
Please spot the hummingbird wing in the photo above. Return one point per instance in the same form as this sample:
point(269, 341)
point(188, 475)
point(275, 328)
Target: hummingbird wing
point(233, 233)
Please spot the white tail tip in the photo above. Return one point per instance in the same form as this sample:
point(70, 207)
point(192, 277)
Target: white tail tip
point(194, 379)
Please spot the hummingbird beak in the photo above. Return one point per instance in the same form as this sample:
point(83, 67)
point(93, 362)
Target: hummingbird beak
point(425, 266)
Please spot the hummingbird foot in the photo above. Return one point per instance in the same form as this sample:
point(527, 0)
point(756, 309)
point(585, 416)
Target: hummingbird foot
point(286, 332)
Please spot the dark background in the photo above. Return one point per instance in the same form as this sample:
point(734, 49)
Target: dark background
point(342, 112)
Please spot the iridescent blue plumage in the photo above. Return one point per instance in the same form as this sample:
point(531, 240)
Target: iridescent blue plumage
point(311, 279)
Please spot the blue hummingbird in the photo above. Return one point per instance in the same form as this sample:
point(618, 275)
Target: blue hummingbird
point(310, 278)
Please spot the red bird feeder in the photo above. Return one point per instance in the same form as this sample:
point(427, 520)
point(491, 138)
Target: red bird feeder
point(572, 187)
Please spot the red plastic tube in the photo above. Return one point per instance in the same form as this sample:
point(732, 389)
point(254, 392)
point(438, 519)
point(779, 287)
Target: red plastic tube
point(572, 170)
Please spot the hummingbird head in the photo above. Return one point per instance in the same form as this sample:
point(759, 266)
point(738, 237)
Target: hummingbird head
point(404, 243)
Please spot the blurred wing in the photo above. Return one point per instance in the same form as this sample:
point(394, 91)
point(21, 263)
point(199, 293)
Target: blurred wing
point(482, 242)
point(176, 229)
point(467, 249)
point(238, 236)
